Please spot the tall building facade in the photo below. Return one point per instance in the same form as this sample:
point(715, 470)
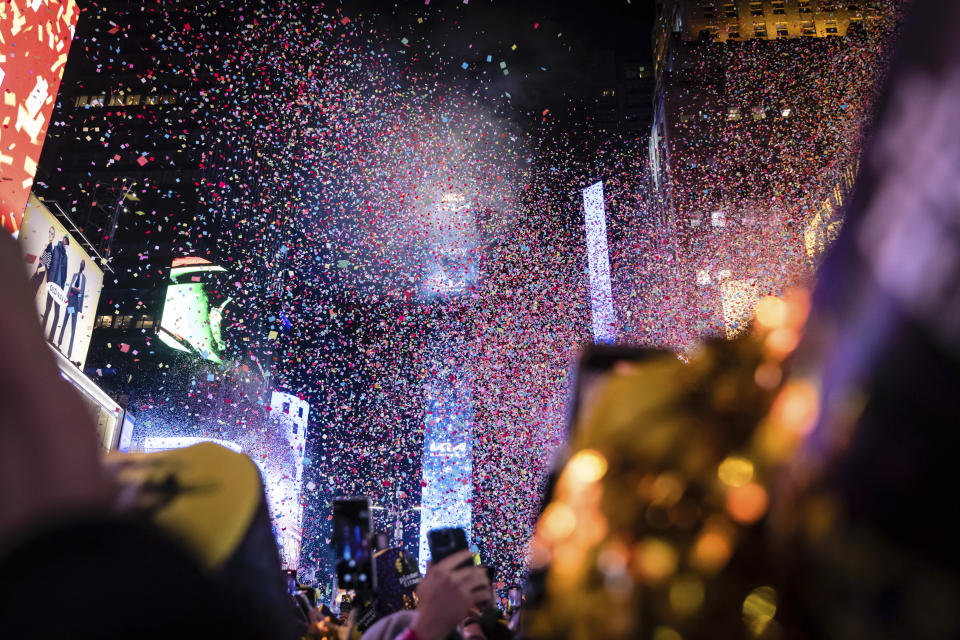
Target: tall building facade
point(759, 112)
point(124, 163)
point(619, 92)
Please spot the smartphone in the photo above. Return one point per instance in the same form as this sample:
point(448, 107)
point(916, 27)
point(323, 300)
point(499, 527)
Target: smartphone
point(291, 577)
point(514, 598)
point(446, 542)
point(597, 361)
point(352, 528)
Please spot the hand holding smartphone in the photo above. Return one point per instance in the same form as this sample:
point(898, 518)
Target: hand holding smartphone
point(446, 542)
point(351, 541)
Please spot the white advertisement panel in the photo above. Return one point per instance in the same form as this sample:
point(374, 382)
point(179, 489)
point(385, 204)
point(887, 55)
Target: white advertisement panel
point(65, 280)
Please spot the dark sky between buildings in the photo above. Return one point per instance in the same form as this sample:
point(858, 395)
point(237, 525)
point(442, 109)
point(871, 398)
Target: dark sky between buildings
point(547, 46)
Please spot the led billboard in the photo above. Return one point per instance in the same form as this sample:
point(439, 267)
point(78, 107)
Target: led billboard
point(447, 458)
point(192, 319)
point(280, 460)
point(35, 38)
point(283, 475)
point(66, 282)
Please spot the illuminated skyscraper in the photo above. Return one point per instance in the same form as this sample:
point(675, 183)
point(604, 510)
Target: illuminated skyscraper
point(758, 115)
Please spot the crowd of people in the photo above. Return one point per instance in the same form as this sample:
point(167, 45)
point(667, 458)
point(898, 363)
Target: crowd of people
point(793, 483)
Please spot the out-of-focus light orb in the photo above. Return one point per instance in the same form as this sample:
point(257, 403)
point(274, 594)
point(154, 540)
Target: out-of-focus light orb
point(781, 342)
point(711, 552)
point(735, 471)
point(559, 521)
point(759, 608)
point(767, 376)
point(667, 489)
point(612, 560)
point(656, 560)
point(587, 466)
point(747, 503)
point(666, 633)
point(796, 408)
point(772, 312)
point(686, 594)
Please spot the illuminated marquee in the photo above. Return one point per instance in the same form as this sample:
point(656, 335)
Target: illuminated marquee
point(35, 38)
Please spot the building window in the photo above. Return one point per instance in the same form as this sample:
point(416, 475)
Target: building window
point(145, 322)
point(729, 10)
point(607, 93)
point(733, 31)
point(168, 99)
point(778, 8)
point(97, 101)
point(81, 101)
point(116, 100)
point(103, 322)
point(808, 29)
point(803, 6)
point(686, 117)
point(782, 31)
point(760, 30)
point(758, 113)
point(756, 8)
point(831, 27)
point(132, 100)
point(733, 113)
point(709, 10)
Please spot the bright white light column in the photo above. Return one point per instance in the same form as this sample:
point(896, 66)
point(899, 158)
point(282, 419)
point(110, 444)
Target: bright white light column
point(447, 458)
point(601, 297)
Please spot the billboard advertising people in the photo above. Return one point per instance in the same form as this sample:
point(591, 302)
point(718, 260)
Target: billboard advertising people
point(66, 282)
point(35, 38)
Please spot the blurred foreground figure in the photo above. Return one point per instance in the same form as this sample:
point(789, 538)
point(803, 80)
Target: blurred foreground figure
point(168, 546)
point(867, 505)
point(800, 482)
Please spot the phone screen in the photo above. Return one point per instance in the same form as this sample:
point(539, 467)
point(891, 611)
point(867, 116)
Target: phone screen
point(446, 542)
point(351, 541)
point(291, 578)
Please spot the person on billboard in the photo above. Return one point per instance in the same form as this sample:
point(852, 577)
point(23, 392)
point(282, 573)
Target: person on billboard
point(56, 274)
point(43, 264)
point(75, 293)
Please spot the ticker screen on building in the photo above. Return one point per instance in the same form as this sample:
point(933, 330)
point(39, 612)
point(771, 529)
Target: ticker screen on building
point(35, 38)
